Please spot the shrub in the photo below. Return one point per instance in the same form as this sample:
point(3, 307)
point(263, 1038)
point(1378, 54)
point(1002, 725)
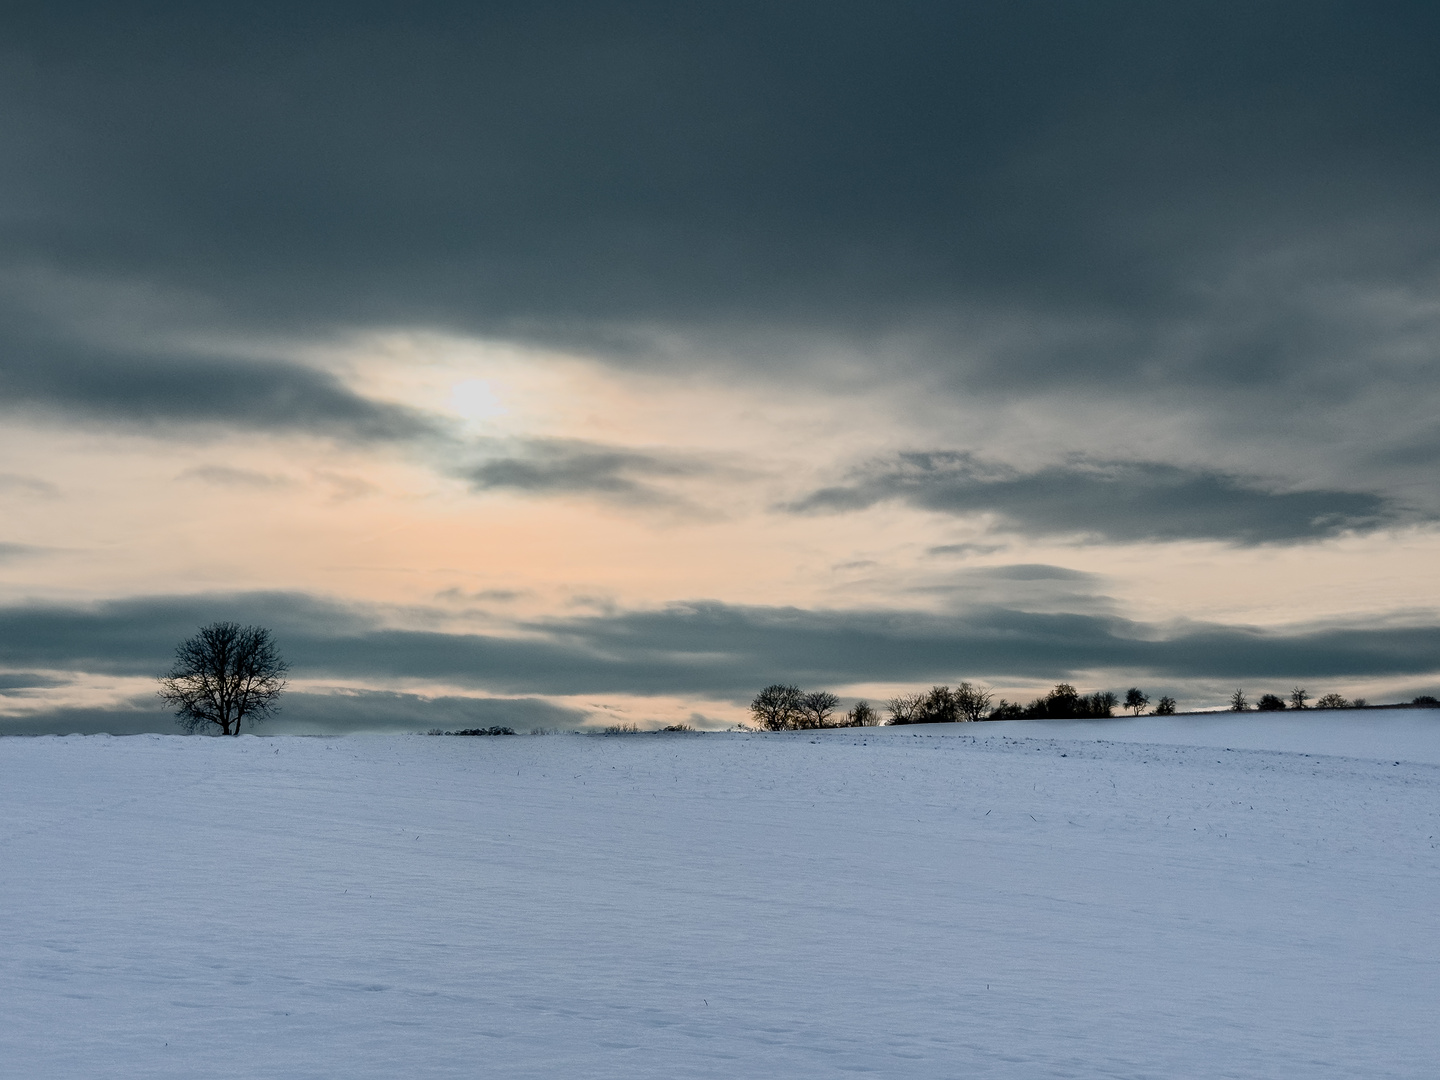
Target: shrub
point(677, 727)
point(474, 731)
point(622, 729)
point(1270, 703)
point(1426, 700)
point(1332, 701)
point(1067, 703)
point(1165, 707)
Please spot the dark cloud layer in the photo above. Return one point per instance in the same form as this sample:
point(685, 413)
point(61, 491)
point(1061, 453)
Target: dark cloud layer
point(1122, 197)
point(163, 389)
point(1120, 501)
point(708, 649)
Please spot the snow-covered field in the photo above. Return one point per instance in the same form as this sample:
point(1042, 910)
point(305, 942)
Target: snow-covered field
point(1016, 900)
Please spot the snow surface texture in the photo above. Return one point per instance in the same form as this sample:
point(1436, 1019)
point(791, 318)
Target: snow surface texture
point(909, 902)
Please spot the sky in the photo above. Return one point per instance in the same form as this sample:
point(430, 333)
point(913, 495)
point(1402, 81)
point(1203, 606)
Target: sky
point(564, 364)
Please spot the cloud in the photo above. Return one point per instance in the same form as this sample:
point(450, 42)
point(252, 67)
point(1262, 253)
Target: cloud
point(26, 680)
point(163, 390)
point(27, 485)
point(1017, 200)
point(574, 467)
point(18, 551)
point(962, 550)
point(709, 650)
point(226, 476)
point(1116, 501)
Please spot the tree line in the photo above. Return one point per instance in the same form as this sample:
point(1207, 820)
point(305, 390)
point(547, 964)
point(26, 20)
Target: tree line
point(781, 707)
point(1300, 699)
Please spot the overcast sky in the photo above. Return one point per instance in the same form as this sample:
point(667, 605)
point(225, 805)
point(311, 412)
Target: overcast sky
point(579, 362)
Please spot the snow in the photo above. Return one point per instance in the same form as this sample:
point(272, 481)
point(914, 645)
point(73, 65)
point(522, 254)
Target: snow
point(1009, 900)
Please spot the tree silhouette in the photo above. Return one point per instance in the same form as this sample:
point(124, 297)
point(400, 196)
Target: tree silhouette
point(972, 701)
point(816, 708)
point(863, 715)
point(224, 675)
point(777, 707)
point(1165, 707)
point(1136, 699)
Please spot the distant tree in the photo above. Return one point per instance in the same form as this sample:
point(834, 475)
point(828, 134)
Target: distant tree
point(777, 707)
point(938, 707)
point(1238, 702)
point(1067, 703)
point(1007, 710)
point(817, 708)
point(904, 708)
point(223, 676)
point(1332, 701)
point(1062, 703)
point(1136, 699)
point(1165, 707)
point(1298, 697)
point(1270, 703)
point(971, 701)
point(1425, 701)
point(1360, 703)
point(862, 714)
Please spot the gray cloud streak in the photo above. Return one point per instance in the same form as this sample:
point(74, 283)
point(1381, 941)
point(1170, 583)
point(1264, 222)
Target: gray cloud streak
point(160, 389)
point(1117, 501)
point(570, 466)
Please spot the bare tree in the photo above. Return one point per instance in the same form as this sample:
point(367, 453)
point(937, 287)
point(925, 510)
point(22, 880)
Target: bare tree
point(1298, 697)
point(972, 701)
point(777, 707)
point(1136, 699)
point(1332, 701)
point(1238, 702)
point(816, 708)
point(224, 675)
point(1165, 707)
point(903, 709)
point(863, 715)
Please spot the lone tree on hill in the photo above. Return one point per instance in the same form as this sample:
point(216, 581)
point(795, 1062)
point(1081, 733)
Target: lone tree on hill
point(1238, 702)
point(1136, 699)
point(1298, 697)
point(224, 675)
point(1165, 707)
